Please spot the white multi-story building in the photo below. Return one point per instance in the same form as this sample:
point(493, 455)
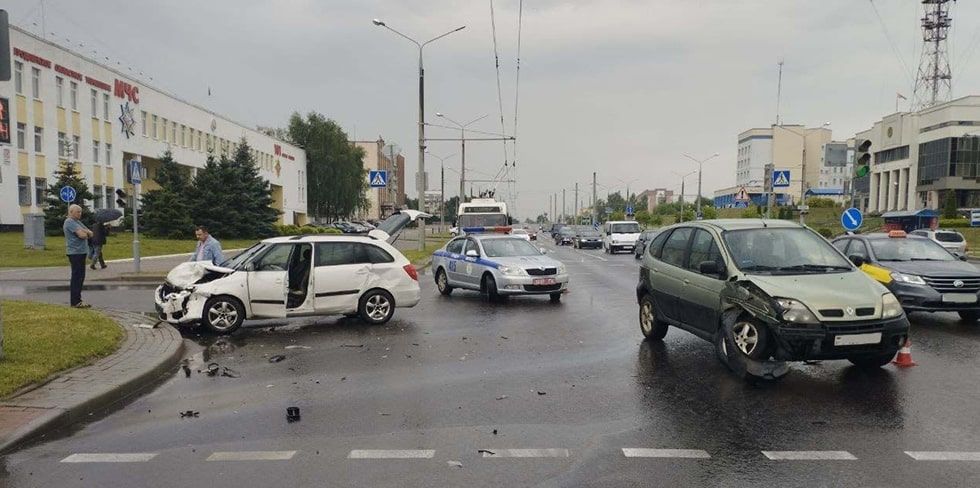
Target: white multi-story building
point(63, 106)
point(754, 153)
point(788, 147)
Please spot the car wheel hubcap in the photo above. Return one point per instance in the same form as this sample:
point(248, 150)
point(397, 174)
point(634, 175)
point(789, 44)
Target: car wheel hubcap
point(442, 281)
point(222, 315)
point(377, 307)
point(646, 317)
point(746, 337)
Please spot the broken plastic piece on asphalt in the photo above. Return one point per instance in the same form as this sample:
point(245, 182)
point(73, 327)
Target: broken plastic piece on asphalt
point(186, 368)
point(292, 414)
point(501, 397)
point(297, 347)
point(352, 345)
point(277, 358)
point(485, 451)
point(494, 431)
point(455, 464)
point(384, 414)
point(504, 337)
point(229, 373)
point(213, 369)
point(189, 414)
point(542, 392)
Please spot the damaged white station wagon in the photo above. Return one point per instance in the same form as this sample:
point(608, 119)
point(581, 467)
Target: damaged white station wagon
point(353, 275)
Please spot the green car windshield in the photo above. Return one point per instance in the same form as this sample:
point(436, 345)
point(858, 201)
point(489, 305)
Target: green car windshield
point(783, 251)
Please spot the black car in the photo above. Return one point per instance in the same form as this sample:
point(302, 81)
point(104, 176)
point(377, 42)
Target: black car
point(565, 236)
point(922, 274)
point(587, 238)
point(642, 241)
point(555, 228)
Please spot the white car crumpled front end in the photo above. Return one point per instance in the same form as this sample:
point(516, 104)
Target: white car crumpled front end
point(181, 298)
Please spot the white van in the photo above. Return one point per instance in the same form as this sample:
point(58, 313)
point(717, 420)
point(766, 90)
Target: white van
point(620, 235)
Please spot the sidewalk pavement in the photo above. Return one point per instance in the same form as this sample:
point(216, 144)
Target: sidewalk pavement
point(152, 269)
point(145, 356)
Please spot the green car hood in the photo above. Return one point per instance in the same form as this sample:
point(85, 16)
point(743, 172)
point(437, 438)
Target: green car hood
point(825, 290)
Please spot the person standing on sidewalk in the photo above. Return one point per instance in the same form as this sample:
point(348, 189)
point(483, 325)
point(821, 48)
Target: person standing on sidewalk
point(99, 235)
point(76, 248)
point(208, 248)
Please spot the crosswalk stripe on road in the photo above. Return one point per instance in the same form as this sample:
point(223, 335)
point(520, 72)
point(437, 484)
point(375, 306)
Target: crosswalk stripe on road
point(665, 453)
point(252, 456)
point(809, 455)
point(944, 455)
point(391, 454)
point(524, 453)
point(110, 457)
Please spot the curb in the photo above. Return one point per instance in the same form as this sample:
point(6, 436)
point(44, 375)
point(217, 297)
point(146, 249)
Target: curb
point(99, 401)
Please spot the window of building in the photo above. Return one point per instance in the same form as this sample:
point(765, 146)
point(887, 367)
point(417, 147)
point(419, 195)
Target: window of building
point(62, 145)
point(38, 138)
point(76, 146)
point(173, 132)
point(105, 106)
point(893, 154)
point(183, 135)
point(73, 92)
point(143, 122)
point(95, 103)
point(95, 151)
point(154, 126)
point(110, 193)
point(24, 191)
point(99, 194)
point(36, 83)
point(59, 89)
point(21, 135)
point(163, 125)
point(40, 187)
point(19, 77)
point(108, 154)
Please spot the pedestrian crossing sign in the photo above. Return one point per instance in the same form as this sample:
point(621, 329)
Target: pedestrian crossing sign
point(741, 195)
point(378, 178)
point(780, 178)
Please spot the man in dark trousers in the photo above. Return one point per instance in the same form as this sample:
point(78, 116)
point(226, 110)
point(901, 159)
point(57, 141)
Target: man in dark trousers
point(76, 247)
point(99, 235)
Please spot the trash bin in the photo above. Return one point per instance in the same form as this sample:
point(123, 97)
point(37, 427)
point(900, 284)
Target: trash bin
point(34, 231)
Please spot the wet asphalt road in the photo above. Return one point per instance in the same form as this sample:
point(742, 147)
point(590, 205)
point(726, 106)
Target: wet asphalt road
point(573, 378)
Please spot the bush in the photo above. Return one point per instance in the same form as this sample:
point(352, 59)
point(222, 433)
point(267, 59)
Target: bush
point(817, 202)
point(750, 213)
point(308, 229)
point(657, 221)
point(953, 223)
point(329, 230)
point(829, 234)
point(288, 230)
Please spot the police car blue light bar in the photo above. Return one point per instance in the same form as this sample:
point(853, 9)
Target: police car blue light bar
point(500, 229)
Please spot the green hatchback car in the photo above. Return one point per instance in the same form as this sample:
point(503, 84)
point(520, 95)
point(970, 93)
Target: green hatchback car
point(766, 292)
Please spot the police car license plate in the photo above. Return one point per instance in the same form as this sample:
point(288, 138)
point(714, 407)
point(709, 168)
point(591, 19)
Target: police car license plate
point(959, 298)
point(543, 281)
point(857, 339)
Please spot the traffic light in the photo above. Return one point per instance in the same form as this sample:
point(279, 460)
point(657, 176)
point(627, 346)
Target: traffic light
point(862, 158)
point(122, 199)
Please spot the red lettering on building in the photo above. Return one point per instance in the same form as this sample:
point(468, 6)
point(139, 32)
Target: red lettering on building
point(98, 84)
point(67, 72)
point(125, 90)
point(33, 58)
point(277, 150)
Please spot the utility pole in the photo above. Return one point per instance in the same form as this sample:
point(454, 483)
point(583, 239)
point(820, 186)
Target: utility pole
point(564, 209)
point(595, 202)
point(576, 204)
point(442, 197)
point(680, 213)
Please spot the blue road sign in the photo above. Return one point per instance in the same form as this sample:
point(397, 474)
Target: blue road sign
point(595, 226)
point(378, 178)
point(629, 210)
point(135, 172)
point(780, 178)
point(68, 194)
point(851, 219)
point(975, 218)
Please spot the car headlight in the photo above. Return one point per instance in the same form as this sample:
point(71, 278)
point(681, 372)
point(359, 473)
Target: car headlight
point(795, 312)
point(907, 278)
point(511, 271)
point(890, 307)
point(562, 269)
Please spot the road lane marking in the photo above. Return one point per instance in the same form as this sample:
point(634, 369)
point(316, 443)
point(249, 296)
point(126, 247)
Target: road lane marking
point(252, 456)
point(809, 455)
point(944, 455)
point(391, 454)
point(665, 453)
point(524, 453)
point(110, 457)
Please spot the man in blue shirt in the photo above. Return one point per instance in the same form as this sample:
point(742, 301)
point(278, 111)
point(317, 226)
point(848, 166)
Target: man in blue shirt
point(208, 248)
point(76, 248)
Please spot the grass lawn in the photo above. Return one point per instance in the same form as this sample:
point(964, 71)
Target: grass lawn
point(416, 256)
point(42, 339)
point(120, 246)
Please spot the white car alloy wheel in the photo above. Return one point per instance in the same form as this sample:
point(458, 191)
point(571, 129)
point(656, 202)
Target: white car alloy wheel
point(223, 315)
point(746, 337)
point(377, 307)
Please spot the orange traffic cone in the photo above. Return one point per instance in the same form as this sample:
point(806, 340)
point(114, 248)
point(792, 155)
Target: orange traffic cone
point(904, 357)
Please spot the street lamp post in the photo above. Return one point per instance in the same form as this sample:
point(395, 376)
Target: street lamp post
point(680, 211)
point(700, 165)
point(462, 150)
point(420, 184)
point(442, 187)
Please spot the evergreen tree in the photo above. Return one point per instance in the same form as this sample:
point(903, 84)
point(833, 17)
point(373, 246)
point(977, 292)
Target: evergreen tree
point(166, 211)
point(55, 210)
point(232, 199)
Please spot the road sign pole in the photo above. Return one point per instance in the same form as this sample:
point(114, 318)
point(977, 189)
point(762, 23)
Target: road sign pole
point(136, 176)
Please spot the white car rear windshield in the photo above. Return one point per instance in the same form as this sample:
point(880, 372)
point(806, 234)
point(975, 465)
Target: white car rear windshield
point(949, 237)
point(630, 228)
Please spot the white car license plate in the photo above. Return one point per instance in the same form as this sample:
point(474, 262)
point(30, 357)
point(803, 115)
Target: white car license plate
point(543, 281)
point(857, 339)
point(959, 298)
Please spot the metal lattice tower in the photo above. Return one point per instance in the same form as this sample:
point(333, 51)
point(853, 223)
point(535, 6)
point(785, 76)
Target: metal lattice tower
point(933, 83)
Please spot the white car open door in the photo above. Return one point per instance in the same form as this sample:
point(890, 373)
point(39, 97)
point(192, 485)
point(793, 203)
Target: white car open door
point(268, 282)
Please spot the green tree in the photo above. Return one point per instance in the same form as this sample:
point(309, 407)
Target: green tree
point(709, 212)
point(243, 206)
point(337, 179)
point(166, 211)
point(949, 205)
point(55, 210)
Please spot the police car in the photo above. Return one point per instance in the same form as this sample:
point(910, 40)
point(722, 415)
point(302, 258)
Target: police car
point(491, 261)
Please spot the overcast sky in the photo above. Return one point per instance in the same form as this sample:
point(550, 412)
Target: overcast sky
point(622, 87)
